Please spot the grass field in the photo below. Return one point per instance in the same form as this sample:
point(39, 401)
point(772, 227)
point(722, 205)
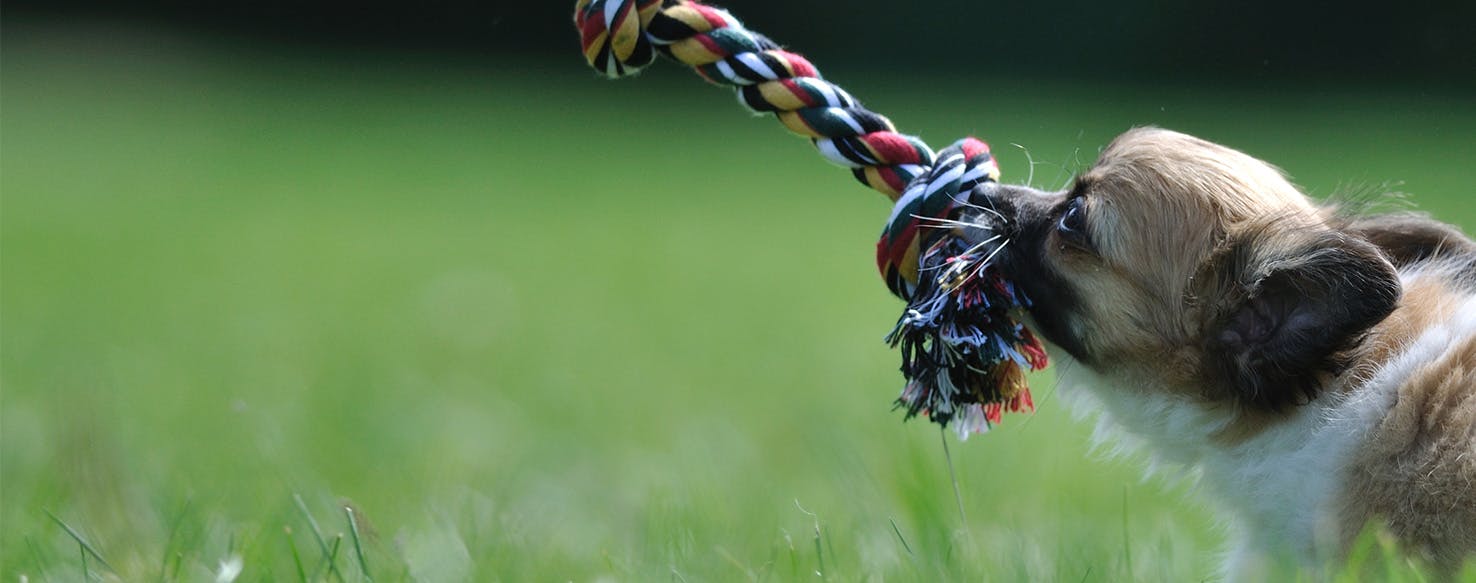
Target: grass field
point(530, 325)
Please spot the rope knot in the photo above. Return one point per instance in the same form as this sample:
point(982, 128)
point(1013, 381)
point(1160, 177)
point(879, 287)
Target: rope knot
point(930, 201)
point(963, 353)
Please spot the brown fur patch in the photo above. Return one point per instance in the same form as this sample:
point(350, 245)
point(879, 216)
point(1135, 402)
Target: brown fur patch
point(1426, 302)
point(1417, 471)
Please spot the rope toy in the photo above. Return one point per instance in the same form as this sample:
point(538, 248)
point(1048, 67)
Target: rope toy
point(964, 355)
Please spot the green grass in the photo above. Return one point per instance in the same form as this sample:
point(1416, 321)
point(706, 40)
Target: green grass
point(337, 316)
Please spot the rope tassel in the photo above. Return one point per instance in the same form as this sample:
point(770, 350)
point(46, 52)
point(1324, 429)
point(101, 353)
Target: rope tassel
point(963, 353)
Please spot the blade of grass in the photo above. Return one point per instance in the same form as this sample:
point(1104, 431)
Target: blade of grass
point(953, 477)
point(768, 568)
point(732, 560)
point(358, 546)
point(793, 556)
point(819, 549)
point(86, 548)
point(963, 520)
point(333, 557)
point(324, 558)
point(302, 576)
point(36, 558)
point(905, 546)
point(312, 522)
point(169, 542)
point(819, 557)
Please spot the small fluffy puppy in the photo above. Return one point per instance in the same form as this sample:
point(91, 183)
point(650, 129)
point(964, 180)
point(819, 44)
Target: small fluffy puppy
point(1317, 369)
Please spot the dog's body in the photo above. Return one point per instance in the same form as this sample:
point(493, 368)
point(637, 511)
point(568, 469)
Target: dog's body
point(1317, 369)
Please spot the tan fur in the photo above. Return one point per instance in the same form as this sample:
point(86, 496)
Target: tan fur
point(1416, 473)
point(1162, 205)
point(1427, 301)
point(1182, 232)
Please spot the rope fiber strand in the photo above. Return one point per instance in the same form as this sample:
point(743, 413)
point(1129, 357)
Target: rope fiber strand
point(964, 355)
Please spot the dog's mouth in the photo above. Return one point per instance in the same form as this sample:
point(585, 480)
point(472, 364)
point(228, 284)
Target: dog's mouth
point(1020, 219)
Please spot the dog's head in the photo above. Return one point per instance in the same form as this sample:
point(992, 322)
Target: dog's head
point(1180, 265)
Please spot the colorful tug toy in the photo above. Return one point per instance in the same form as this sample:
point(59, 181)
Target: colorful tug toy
point(964, 355)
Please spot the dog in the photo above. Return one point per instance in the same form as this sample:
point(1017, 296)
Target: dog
point(1314, 367)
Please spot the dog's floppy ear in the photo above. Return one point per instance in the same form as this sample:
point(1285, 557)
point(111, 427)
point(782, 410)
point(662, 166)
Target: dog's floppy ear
point(1409, 237)
point(1297, 298)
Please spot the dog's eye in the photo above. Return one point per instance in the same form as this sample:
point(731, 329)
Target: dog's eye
point(1072, 224)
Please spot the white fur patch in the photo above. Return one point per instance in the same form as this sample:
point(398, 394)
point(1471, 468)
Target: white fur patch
point(1277, 488)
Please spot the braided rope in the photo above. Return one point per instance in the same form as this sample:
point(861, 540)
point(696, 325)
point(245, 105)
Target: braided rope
point(963, 354)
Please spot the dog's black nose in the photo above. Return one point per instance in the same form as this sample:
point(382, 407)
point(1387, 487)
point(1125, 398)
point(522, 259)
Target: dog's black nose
point(988, 197)
point(1002, 204)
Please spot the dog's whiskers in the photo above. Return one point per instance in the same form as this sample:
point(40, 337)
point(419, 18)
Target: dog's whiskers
point(966, 263)
point(937, 222)
point(1030, 161)
point(964, 202)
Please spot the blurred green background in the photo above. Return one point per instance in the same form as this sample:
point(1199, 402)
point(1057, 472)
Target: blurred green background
point(261, 266)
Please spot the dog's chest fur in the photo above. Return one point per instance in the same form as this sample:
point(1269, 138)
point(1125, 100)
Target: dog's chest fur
point(1284, 486)
point(1278, 487)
